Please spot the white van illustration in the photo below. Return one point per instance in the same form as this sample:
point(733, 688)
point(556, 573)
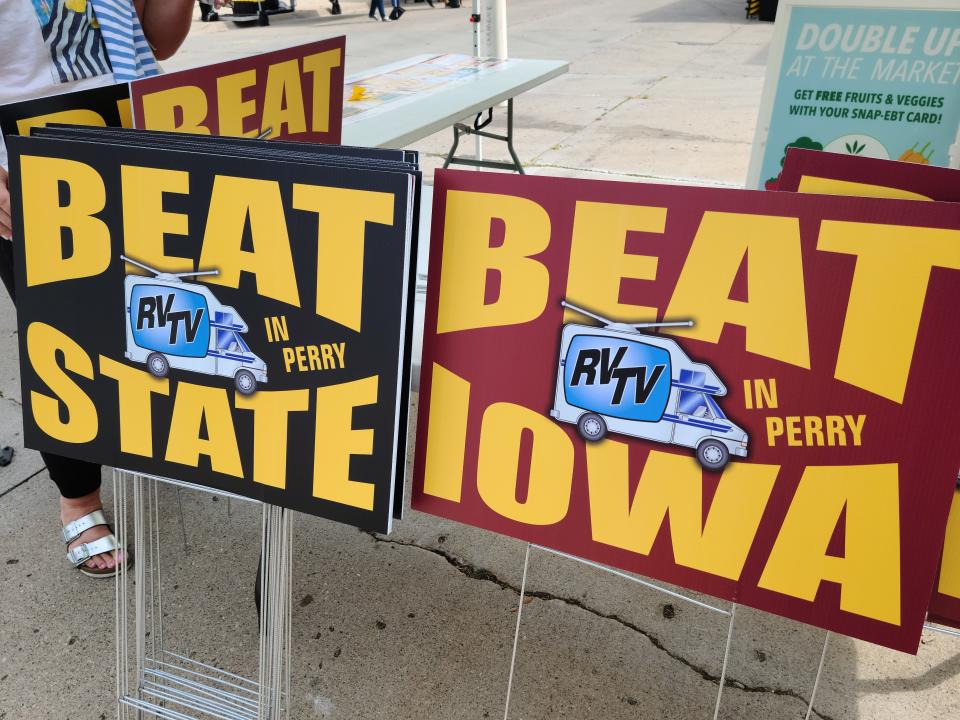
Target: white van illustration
point(173, 324)
point(618, 379)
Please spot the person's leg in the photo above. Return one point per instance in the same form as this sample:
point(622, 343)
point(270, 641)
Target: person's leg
point(6, 267)
point(79, 485)
point(75, 479)
point(383, 14)
point(78, 482)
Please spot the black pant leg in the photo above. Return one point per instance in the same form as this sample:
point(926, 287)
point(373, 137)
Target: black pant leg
point(6, 267)
point(74, 478)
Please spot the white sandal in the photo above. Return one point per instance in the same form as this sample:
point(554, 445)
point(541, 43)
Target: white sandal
point(84, 551)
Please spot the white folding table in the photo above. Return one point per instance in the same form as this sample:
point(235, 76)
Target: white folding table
point(405, 116)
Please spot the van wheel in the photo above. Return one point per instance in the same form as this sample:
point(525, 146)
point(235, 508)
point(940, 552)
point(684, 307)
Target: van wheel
point(158, 365)
point(713, 454)
point(592, 427)
point(245, 381)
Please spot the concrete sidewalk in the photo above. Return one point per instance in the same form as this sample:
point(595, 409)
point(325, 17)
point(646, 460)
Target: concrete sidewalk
point(420, 624)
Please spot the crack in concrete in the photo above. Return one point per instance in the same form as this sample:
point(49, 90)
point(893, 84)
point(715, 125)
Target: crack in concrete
point(475, 573)
point(22, 482)
point(15, 401)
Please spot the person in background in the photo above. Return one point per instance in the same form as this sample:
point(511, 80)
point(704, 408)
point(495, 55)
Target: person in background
point(49, 47)
point(378, 6)
point(207, 12)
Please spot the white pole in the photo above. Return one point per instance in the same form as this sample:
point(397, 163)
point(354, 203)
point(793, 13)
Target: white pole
point(726, 656)
point(476, 28)
point(478, 52)
point(490, 37)
point(816, 681)
point(516, 633)
point(955, 152)
point(493, 17)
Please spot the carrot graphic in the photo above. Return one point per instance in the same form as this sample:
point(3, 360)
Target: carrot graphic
point(912, 155)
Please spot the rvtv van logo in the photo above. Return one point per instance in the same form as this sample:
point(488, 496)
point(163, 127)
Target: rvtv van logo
point(182, 325)
point(618, 379)
point(604, 368)
point(170, 316)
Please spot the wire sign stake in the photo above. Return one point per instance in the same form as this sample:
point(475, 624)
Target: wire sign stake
point(152, 680)
point(731, 613)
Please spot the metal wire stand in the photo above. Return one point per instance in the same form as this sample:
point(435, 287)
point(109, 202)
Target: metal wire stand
point(154, 682)
point(731, 613)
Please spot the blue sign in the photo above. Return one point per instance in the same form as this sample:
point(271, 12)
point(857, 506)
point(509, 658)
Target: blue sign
point(879, 83)
point(170, 320)
point(619, 378)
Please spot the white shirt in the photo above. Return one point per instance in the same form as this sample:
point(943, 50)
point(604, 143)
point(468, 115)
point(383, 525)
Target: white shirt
point(72, 57)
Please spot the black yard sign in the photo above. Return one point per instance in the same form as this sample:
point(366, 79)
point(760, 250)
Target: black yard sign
point(236, 322)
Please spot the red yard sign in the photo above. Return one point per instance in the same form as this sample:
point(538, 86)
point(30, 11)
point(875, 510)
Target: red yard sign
point(817, 172)
point(295, 93)
point(748, 394)
point(811, 171)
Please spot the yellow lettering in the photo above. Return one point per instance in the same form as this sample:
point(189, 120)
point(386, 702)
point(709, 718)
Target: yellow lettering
point(813, 430)
point(774, 430)
point(44, 220)
point(856, 426)
point(336, 441)
point(551, 465)
point(469, 261)
point(328, 361)
point(135, 389)
point(338, 348)
point(950, 564)
point(194, 407)
point(793, 431)
point(162, 108)
point(775, 315)
point(869, 573)
point(314, 353)
point(829, 186)
point(125, 112)
point(342, 219)
point(283, 86)
point(672, 485)
point(598, 262)
point(271, 415)
point(449, 405)
point(81, 425)
point(766, 393)
point(321, 66)
point(836, 435)
point(894, 263)
point(67, 117)
point(233, 109)
point(145, 222)
point(232, 202)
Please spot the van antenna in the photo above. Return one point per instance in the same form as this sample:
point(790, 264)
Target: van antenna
point(638, 326)
point(156, 272)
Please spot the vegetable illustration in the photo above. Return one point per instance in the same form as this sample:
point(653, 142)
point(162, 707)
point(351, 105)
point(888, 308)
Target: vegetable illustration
point(912, 155)
point(855, 148)
point(801, 142)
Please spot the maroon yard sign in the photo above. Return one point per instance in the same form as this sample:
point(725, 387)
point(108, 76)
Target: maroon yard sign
point(295, 93)
point(835, 174)
point(744, 393)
